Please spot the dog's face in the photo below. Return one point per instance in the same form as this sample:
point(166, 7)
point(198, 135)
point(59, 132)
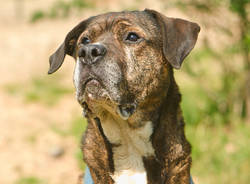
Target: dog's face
point(123, 59)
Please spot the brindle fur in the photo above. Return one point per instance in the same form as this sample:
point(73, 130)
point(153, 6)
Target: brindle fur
point(141, 73)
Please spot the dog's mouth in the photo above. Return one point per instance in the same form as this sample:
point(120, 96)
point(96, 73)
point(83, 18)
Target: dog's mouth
point(91, 86)
point(94, 92)
point(126, 110)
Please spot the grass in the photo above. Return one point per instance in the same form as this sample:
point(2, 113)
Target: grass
point(78, 126)
point(62, 9)
point(42, 90)
point(76, 129)
point(79, 157)
point(32, 138)
point(30, 180)
point(221, 154)
point(220, 150)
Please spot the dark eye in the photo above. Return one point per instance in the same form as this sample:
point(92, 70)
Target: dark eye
point(133, 37)
point(85, 40)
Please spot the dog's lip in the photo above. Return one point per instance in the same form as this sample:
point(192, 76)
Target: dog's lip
point(89, 80)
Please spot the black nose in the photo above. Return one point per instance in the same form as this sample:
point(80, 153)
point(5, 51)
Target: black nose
point(91, 53)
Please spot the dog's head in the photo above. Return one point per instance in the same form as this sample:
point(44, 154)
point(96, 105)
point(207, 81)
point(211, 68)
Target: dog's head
point(123, 59)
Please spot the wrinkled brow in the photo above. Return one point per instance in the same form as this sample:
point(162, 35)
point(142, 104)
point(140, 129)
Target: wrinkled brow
point(100, 26)
point(110, 24)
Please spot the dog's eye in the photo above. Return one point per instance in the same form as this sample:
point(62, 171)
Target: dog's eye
point(85, 40)
point(133, 37)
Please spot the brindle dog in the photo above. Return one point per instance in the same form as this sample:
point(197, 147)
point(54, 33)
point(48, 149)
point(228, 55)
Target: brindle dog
point(124, 82)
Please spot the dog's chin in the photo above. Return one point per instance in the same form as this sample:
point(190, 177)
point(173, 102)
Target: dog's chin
point(97, 99)
point(93, 93)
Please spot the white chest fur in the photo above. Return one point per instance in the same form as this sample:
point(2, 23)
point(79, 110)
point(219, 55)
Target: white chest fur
point(133, 145)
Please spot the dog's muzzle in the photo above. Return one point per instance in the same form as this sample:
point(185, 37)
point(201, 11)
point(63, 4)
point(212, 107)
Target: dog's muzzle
point(96, 87)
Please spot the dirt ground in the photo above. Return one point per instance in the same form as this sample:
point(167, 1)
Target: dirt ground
point(26, 137)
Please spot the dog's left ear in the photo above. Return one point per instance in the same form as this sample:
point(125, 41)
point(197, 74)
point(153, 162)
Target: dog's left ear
point(67, 47)
point(179, 37)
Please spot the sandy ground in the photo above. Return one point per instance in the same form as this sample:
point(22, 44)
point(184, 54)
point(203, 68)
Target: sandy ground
point(24, 51)
point(24, 54)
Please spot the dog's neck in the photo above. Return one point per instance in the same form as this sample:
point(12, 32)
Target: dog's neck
point(130, 145)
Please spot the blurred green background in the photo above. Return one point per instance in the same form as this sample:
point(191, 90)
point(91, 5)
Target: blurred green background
point(41, 123)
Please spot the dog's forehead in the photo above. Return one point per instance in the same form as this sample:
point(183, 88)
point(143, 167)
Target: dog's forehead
point(131, 18)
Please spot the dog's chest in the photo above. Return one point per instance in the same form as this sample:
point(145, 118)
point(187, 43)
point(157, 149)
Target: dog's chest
point(133, 144)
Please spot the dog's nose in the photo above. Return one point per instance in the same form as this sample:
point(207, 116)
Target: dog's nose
point(91, 53)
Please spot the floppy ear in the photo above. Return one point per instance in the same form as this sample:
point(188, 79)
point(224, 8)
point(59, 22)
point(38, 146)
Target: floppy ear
point(179, 37)
point(67, 47)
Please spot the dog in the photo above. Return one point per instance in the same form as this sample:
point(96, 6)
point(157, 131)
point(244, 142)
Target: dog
point(124, 80)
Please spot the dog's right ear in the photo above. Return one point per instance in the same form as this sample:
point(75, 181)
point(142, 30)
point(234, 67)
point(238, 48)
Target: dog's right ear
point(67, 47)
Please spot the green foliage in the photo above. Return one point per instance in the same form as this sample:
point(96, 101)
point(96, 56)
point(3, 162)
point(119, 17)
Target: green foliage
point(78, 126)
point(204, 6)
point(241, 7)
point(79, 159)
point(222, 79)
point(214, 87)
point(37, 15)
point(61, 9)
point(222, 153)
point(76, 129)
point(30, 180)
point(238, 6)
point(44, 90)
point(59, 131)
point(32, 139)
point(192, 111)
